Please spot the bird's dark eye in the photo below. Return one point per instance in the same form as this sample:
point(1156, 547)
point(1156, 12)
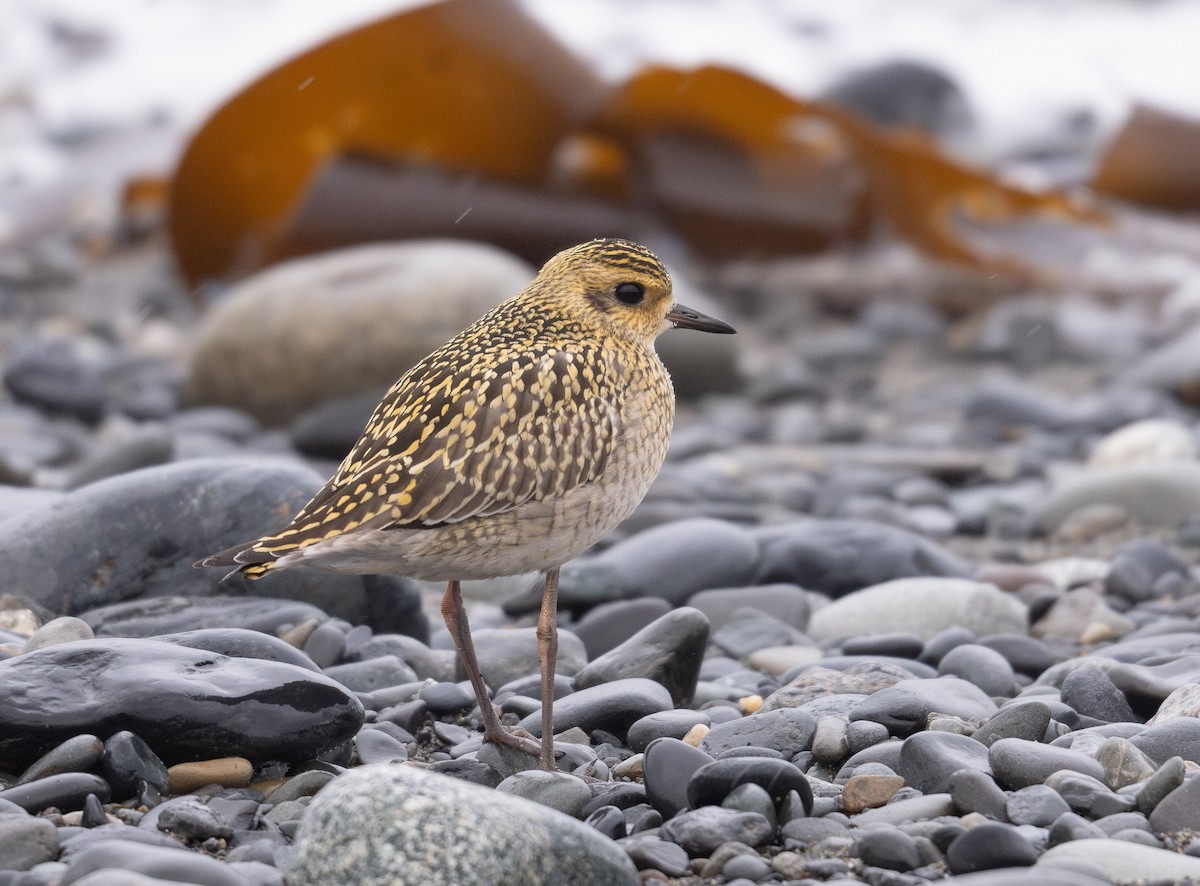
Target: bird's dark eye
point(630, 293)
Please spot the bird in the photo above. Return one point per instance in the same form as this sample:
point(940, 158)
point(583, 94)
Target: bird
point(513, 448)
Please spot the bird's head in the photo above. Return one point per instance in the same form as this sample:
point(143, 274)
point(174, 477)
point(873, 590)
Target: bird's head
point(622, 285)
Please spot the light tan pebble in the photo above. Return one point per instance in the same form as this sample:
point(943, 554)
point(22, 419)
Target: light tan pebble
point(778, 660)
point(75, 819)
point(265, 786)
point(1081, 606)
point(869, 791)
point(946, 723)
point(229, 772)
point(1092, 521)
point(1096, 632)
point(630, 768)
point(20, 621)
point(750, 703)
point(1184, 701)
point(696, 735)
point(66, 629)
point(973, 820)
point(574, 735)
point(1143, 441)
point(298, 635)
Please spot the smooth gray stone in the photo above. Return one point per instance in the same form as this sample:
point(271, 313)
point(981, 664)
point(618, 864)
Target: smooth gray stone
point(976, 791)
point(650, 852)
point(922, 606)
point(77, 754)
point(900, 811)
point(1178, 810)
point(508, 654)
point(888, 848)
point(750, 630)
point(1083, 793)
point(1091, 692)
point(178, 865)
point(928, 760)
point(664, 724)
point(611, 706)
point(671, 561)
point(1166, 779)
point(65, 791)
point(1154, 494)
point(905, 707)
point(1017, 763)
point(989, 846)
point(478, 836)
point(1175, 737)
point(25, 841)
point(373, 674)
point(669, 765)
point(787, 730)
point(986, 668)
point(701, 831)
point(836, 557)
point(1037, 805)
point(1126, 862)
point(668, 651)
point(1023, 719)
point(1049, 874)
point(608, 625)
point(558, 790)
point(786, 602)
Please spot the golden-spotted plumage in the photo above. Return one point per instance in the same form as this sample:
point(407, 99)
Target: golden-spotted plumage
point(512, 448)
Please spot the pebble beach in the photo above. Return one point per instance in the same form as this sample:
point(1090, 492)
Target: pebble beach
point(914, 598)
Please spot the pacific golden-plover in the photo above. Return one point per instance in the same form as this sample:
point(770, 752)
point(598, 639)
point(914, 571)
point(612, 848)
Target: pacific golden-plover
point(514, 447)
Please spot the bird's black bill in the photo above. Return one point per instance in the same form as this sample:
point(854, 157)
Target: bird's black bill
point(686, 318)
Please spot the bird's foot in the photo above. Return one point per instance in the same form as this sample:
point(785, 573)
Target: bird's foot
point(523, 741)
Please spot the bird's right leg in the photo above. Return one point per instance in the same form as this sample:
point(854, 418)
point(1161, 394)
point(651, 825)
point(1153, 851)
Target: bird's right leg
point(455, 615)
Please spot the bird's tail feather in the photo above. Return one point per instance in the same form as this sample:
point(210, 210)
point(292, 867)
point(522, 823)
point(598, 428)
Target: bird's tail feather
point(251, 563)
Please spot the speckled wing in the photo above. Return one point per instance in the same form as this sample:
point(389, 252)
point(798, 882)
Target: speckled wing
point(446, 445)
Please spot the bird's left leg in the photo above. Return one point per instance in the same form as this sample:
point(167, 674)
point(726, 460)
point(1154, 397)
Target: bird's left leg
point(547, 637)
point(455, 615)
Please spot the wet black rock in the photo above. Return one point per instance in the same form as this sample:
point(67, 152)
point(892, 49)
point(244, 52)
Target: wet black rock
point(138, 535)
point(185, 704)
point(127, 760)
